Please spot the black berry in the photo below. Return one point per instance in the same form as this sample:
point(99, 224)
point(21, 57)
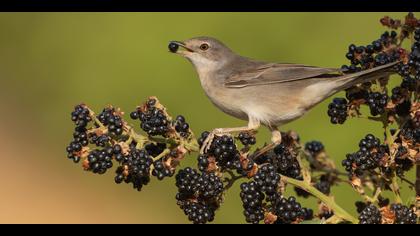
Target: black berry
point(370, 215)
point(337, 110)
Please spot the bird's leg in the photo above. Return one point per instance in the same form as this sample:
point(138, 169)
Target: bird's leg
point(252, 125)
point(275, 135)
point(275, 140)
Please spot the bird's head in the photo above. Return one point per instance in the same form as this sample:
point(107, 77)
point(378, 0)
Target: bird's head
point(202, 51)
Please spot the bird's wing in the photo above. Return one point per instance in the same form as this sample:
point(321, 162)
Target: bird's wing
point(275, 73)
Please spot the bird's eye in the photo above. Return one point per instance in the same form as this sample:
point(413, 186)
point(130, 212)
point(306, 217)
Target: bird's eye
point(204, 46)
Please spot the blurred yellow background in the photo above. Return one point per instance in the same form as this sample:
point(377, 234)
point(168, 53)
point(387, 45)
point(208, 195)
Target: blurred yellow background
point(51, 61)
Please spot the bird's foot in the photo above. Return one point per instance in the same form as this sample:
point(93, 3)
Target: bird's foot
point(275, 140)
point(276, 137)
point(209, 140)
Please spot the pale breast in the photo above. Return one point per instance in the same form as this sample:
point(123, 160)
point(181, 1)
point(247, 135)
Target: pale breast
point(272, 105)
point(225, 99)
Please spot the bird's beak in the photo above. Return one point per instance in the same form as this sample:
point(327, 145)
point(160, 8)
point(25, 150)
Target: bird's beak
point(179, 48)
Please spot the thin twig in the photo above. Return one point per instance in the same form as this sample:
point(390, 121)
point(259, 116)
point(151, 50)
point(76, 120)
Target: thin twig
point(390, 140)
point(230, 181)
point(338, 211)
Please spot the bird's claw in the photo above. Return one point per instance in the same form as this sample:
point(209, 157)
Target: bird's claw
point(209, 140)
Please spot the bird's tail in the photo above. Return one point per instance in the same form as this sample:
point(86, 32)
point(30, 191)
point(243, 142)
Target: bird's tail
point(349, 80)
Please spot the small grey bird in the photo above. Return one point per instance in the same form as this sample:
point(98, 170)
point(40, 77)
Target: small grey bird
point(271, 94)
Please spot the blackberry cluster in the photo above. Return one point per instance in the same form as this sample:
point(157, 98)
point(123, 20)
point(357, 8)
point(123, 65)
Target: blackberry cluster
point(247, 138)
point(80, 139)
point(403, 214)
point(383, 202)
point(81, 117)
point(360, 206)
point(301, 193)
point(243, 167)
point(203, 137)
point(153, 120)
point(288, 211)
point(324, 186)
point(222, 149)
point(210, 186)
point(282, 159)
point(100, 141)
point(109, 118)
point(163, 168)
point(337, 111)
point(400, 97)
point(409, 83)
point(285, 161)
point(403, 69)
point(193, 184)
point(252, 202)
point(198, 213)
point(182, 127)
point(187, 181)
point(135, 169)
point(368, 156)
point(365, 57)
point(99, 161)
point(380, 52)
point(198, 194)
point(309, 214)
point(267, 179)
point(314, 147)
point(411, 71)
point(325, 214)
point(402, 161)
point(411, 132)
point(370, 215)
point(377, 102)
point(203, 162)
point(399, 94)
point(415, 54)
point(118, 155)
point(262, 191)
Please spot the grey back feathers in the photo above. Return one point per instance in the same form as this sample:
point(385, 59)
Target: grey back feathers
point(276, 73)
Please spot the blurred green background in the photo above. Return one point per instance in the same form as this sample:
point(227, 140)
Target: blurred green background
point(51, 61)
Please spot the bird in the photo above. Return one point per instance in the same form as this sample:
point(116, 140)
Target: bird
point(263, 93)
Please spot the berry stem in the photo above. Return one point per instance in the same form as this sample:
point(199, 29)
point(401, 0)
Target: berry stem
point(390, 141)
point(165, 152)
point(140, 139)
point(231, 180)
point(304, 169)
point(375, 197)
point(96, 120)
point(338, 211)
point(371, 118)
point(191, 145)
point(395, 189)
point(333, 220)
point(319, 167)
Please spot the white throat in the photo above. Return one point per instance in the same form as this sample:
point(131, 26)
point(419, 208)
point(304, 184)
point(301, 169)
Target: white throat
point(204, 65)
